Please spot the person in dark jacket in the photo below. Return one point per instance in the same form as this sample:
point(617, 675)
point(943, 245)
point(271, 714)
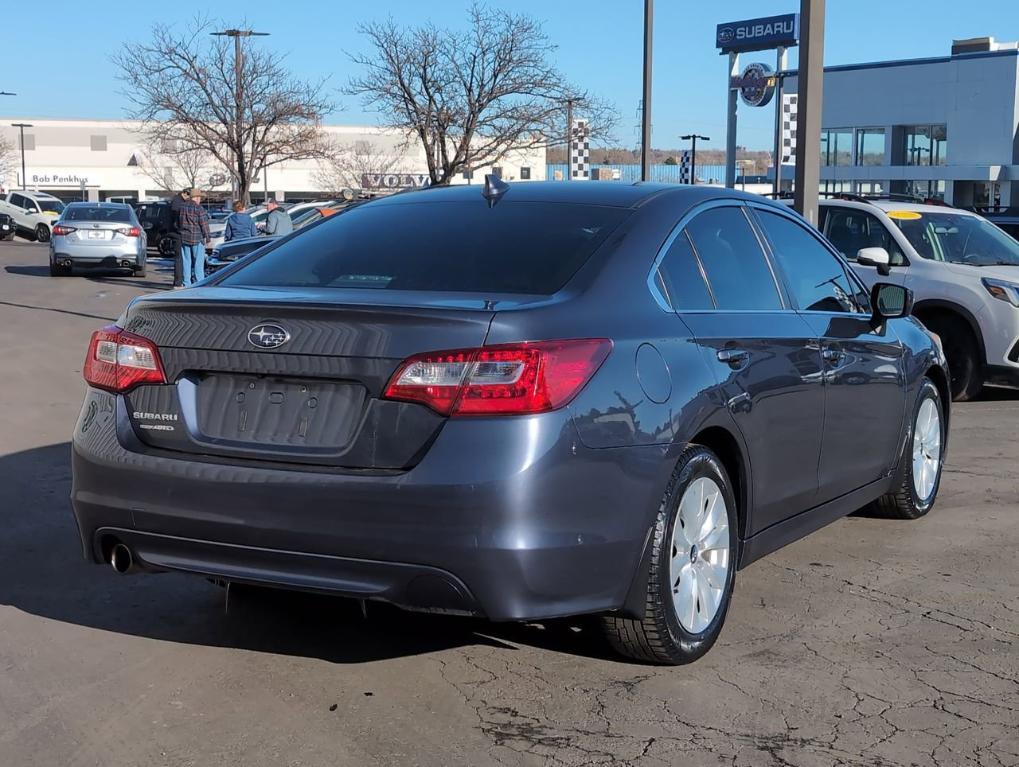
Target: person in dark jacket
point(278, 221)
point(193, 223)
point(239, 224)
point(179, 200)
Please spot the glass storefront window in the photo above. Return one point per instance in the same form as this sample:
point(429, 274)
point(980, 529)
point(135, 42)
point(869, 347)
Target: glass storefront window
point(837, 147)
point(925, 144)
point(870, 146)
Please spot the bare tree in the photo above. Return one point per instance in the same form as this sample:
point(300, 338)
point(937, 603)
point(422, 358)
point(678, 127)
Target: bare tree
point(356, 165)
point(185, 90)
point(471, 96)
point(171, 169)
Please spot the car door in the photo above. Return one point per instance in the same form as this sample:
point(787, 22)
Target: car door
point(766, 360)
point(864, 380)
point(849, 229)
point(19, 203)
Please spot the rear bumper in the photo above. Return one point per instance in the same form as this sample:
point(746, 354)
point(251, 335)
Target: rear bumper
point(96, 255)
point(511, 520)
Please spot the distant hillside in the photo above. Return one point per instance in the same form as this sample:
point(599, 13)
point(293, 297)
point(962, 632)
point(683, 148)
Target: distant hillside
point(610, 156)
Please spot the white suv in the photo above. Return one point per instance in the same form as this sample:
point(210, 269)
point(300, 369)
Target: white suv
point(34, 213)
point(963, 271)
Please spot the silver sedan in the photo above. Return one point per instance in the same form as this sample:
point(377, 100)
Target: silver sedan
point(103, 235)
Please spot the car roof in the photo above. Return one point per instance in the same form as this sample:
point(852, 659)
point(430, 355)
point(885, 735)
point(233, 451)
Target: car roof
point(33, 193)
point(609, 193)
point(893, 205)
point(84, 204)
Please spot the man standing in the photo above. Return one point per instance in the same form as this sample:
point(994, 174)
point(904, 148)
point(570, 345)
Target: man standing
point(239, 224)
point(178, 201)
point(193, 224)
point(277, 222)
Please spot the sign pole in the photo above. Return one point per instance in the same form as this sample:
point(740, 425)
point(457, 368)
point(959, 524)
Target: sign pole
point(781, 62)
point(730, 123)
point(810, 87)
point(645, 128)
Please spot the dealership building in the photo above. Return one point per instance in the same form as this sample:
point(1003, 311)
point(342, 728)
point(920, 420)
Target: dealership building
point(102, 159)
point(944, 127)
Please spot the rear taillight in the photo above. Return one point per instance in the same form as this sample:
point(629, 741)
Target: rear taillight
point(513, 379)
point(61, 230)
point(118, 361)
point(132, 231)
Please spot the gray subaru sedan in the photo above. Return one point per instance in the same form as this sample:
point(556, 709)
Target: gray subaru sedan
point(519, 402)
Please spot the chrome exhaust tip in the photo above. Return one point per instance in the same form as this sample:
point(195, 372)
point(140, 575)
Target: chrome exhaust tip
point(121, 559)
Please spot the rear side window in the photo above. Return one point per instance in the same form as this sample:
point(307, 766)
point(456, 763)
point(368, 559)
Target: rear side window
point(813, 275)
point(679, 277)
point(455, 246)
point(736, 267)
point(96, 213)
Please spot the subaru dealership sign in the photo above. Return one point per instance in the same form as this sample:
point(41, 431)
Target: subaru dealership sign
point(758, 34)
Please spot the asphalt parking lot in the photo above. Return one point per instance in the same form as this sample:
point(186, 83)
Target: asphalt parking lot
point(872, 642)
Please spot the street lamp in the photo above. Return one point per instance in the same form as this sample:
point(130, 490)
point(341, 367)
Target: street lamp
point(21, 127)
point(237, 34)
point(692, 138)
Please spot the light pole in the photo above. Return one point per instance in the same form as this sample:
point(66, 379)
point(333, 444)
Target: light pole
point(645, 116)
point(692, 138)
point(21, 127)
point(237, 34)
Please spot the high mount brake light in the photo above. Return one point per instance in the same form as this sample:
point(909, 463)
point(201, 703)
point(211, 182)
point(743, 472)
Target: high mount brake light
point(118, 361)
point(511, 379)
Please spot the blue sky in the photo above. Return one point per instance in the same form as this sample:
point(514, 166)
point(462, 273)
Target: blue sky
point(64, 69)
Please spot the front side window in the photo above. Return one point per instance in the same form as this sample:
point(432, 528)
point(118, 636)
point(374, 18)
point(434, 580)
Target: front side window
point(851, 230)
point(449, 246)
point(17, 200)
point(815, 278)
point(737, 269)
point(958, 239)
point(679, 277)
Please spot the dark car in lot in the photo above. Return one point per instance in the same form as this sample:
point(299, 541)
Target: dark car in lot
point(538, 401)
point(7, 227)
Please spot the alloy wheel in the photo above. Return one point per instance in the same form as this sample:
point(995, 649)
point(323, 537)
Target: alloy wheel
point(926, 449)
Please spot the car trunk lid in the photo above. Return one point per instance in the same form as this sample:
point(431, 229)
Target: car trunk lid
point(294, 377)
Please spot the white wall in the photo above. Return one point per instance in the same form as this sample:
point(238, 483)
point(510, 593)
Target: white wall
point(63, 156)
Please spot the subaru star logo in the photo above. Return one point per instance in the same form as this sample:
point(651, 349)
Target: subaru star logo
point(725, 35)
point(268, 336)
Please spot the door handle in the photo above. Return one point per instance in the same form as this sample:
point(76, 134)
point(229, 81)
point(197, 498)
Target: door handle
point(734, 358)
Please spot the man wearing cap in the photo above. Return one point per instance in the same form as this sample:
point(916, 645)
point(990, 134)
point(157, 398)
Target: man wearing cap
point(193, 224)
point(176, 204)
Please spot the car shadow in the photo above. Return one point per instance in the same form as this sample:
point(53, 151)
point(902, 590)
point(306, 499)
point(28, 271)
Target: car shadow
point(29, 271)
point(43, 573)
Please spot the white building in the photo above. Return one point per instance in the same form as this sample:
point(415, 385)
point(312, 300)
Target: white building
point(108, 158)
point(940, 127)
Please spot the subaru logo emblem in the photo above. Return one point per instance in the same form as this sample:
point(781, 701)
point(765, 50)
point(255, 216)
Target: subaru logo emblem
point(725, 35)
point(268, 336)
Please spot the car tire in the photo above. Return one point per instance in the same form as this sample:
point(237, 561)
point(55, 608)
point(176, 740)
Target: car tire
point(42, 233)
point(918, 479)
point(680, 577)
point(139, 272)
point(961, 348)
point(167, 247)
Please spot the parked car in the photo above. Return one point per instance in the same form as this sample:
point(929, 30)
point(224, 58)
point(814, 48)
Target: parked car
point(104, 235)
point(963, 271)
point(34, 213)
point(227, 253)
point(1006, 219)
point(7, 227)
point(542, 400)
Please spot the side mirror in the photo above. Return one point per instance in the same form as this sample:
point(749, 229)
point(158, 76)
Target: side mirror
point(875, 257)
point(888, 302)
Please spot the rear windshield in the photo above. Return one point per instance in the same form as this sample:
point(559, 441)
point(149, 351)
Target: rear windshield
point(96, 213)
point(458, 246)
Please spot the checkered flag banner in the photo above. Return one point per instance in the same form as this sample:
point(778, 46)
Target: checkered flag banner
point(789, 128)
point(684, 167)
point(580, 151)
